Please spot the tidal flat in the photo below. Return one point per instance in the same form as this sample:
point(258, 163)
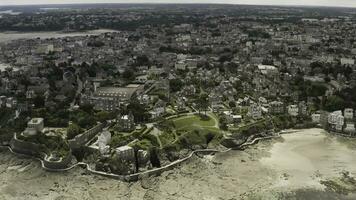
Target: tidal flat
point(308, 164)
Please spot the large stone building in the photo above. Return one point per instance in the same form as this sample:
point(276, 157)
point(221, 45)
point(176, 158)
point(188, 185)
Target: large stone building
point(34, 126)
point(125, 153)
point(110, 98)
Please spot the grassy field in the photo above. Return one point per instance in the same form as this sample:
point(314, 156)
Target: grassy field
point(193, 122)
point(167, 138)
point(194, 130)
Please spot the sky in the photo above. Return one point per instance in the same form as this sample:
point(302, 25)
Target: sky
point(343, 3)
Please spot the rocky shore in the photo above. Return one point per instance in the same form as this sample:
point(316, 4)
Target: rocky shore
point(255, 173)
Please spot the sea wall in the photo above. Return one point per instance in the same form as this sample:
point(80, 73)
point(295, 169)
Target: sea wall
point(82, 139)
point(61, 164)
point(156, 171)
point(32, 149)
point(24, 147)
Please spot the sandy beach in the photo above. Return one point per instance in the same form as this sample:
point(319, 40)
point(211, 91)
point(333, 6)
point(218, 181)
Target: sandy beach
point(292, 167)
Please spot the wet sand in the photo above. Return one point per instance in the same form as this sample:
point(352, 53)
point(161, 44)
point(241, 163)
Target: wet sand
point(309, 156)
point(287, 168)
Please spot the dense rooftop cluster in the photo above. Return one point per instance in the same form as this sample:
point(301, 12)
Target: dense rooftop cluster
point(178, 85)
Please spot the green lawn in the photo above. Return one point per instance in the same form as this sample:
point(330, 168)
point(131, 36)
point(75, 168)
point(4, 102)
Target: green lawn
point(193, 130)
point(193, 122)
point(167, 138)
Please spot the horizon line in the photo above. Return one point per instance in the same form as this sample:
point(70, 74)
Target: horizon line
point(171, 3)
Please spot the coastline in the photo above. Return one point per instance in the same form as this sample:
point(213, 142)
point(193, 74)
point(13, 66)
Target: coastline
point(9, 36)
point(230, 175)
point(155, 171)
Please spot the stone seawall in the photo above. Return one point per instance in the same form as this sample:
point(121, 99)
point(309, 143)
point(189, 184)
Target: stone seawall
point(82, 139)
point(34, 150)
point(23, 147)
point(156, 171)
point(61, 164)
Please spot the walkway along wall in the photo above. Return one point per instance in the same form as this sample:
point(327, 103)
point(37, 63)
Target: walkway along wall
point(156, 171)
point(23, 147)
point(32, 149)
point(82, 139)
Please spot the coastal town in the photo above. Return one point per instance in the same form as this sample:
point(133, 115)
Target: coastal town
point(143, 99)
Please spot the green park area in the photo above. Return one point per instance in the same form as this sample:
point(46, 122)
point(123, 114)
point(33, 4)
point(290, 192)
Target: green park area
point(139, 137)
point(193, 122)
point(190, 130)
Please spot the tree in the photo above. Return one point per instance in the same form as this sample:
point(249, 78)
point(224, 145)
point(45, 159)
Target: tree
point(203, 102)
point(73, 130)
point(142, 60)
point(334, 103)
point(88, 108)
point(316, 90)
point(39, 101)
point(128, 74)
point(175, 85)
point(225, 57)
point(96, 43)
point(86, 121)
point(102, 116)
point(232, 104)
point(223, 123)
point(138, 110)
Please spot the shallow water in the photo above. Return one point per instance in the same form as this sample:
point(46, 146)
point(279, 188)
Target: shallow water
point(9, 36)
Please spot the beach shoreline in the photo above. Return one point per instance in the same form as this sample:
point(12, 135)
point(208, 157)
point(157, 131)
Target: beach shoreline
point(246, 174)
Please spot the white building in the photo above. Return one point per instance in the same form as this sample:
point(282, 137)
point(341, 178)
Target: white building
point(262, 100)
point(350, 128)
point(45, 48)
point(180, 65)
point(268, 69)
point(293, 110)
point(2, 101)
point(347, 61)
point(36, 123)
point(154, 70)
point(255, 111)
point(34, 126)
point(302, 108)
point(103, 141)
point(336, 120)
point(125, 152)
point(315, 118)
point(11, 102)
point(30, 94)
point(333, 117)
point(236, 118)
point(104, 138)
point(276, 107)
point(340, 120)
point(141, 79)
point(349, 113)
point(191, 63)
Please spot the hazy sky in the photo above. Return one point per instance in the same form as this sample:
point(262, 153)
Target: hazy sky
point(346, 3)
